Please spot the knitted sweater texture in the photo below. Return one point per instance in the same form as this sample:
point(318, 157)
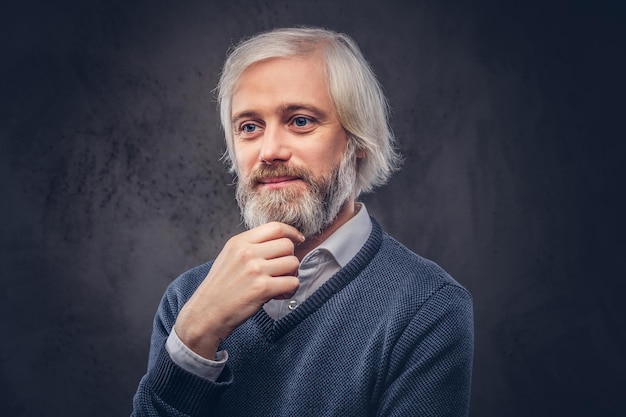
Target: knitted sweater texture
point(391, 334)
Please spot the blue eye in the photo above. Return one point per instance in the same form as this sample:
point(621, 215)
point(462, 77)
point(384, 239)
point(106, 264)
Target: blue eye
point(300, 121)
point(248, 128)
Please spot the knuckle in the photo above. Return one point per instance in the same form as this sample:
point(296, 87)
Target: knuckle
point(243, 255)
point(254, 269)
point(233, 242)
point(233, 239)
point(287, 245)
point(260, 286)
point(294, 263)
point(293, 285)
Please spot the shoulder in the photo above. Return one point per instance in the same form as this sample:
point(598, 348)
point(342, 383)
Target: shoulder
point(410, 279)
point(400, 258)
point(401, 262)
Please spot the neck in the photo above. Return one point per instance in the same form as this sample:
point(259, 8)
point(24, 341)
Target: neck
point(346, 213)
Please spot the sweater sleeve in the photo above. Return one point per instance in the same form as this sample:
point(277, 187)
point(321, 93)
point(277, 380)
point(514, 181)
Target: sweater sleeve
point(431, 364)
point(167, 389)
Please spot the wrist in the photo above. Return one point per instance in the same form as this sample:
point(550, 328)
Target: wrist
point(204, 344)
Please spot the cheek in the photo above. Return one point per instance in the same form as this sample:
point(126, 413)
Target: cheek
point(244, 160)
point(339, 151)
point(328, 162)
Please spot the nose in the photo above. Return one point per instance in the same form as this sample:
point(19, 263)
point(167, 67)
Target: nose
point(274, 145)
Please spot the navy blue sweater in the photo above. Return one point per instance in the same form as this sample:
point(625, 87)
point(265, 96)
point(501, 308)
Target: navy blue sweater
point(391, 334)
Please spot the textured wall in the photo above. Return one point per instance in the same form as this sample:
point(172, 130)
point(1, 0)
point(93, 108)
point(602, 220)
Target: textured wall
point(510, 119)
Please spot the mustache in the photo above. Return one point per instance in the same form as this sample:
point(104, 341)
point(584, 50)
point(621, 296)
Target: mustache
point(269, 171)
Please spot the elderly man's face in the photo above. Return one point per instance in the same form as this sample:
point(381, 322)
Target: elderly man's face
point(289, 146)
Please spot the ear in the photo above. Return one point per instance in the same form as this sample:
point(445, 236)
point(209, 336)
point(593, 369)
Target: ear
point(360, 153)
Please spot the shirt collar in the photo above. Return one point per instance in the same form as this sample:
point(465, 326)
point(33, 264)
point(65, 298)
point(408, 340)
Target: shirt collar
point(346, 242)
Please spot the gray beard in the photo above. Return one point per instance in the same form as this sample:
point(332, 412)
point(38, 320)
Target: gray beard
point(310, 211)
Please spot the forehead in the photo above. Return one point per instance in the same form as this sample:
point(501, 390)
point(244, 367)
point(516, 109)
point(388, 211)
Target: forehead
point(281, 83)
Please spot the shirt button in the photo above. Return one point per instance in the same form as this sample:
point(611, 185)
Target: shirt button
point(291, 305)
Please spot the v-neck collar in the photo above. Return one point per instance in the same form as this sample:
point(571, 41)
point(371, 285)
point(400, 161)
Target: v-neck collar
point(274, 330)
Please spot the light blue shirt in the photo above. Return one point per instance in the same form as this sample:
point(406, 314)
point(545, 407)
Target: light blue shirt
point(317, 267)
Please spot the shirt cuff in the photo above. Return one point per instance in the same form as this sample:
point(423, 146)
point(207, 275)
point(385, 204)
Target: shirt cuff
point(191, 362)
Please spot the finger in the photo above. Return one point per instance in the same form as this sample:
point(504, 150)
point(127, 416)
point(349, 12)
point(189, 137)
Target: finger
point(283, 266)
point(282, 287)
point(275, 248)
point(274, 230)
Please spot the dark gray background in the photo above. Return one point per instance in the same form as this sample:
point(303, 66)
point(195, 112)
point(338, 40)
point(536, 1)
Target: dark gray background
point(511, 119)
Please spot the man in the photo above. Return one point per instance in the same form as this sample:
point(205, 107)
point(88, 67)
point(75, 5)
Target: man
point(314, 310)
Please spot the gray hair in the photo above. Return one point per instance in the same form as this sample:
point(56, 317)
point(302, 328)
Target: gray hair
point(358, 98)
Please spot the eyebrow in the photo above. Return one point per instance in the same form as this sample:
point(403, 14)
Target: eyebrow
point(244, 115)
point(284, 108)
point(291, 108)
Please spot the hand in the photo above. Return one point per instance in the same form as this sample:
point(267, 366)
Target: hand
point(252, 268)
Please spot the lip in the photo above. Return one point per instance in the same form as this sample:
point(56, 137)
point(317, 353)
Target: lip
point(277, 182)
